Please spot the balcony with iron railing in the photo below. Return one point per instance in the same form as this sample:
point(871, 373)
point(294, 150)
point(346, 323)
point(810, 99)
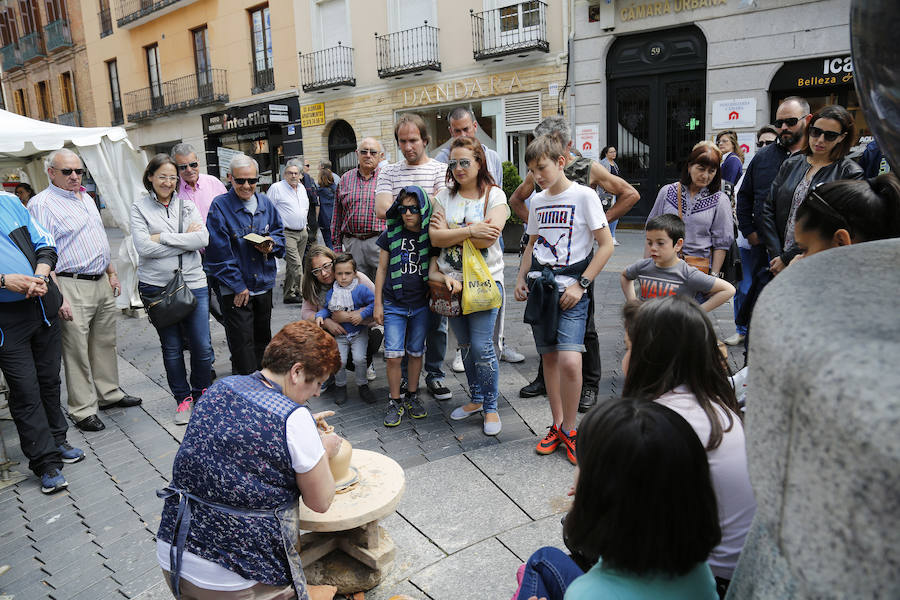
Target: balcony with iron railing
point(133, 13)
point(409, 51)
point(328, 68)
point(31, 46)
point(58, 35)
point(263, 80)
point(11, 57)
point(516, 29)
point(197, 89)
point(70, 118)
point(106, 26)
point(116, 116)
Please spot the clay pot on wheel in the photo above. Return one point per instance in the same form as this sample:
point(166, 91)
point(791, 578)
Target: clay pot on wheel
point(339, 464)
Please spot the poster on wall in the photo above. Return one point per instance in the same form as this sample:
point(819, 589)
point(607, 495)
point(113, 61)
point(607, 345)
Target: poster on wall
point(728, 114)
point(225, 155)
point(747, 142)
point(587, 140)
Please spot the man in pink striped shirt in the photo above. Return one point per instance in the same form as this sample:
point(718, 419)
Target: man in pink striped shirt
point(195, 186)
point(88, 281)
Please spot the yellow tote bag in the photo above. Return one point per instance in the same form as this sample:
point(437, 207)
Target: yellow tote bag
point(480, 291)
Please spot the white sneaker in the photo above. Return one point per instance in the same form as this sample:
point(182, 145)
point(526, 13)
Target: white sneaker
point(616, 242)
point(370, 373)
point(735, 340)
point(458, 366)
point(511, 356)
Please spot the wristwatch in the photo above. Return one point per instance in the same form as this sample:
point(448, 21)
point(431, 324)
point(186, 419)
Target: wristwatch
point(585, 282)
point(46, 278)
point(3, 282)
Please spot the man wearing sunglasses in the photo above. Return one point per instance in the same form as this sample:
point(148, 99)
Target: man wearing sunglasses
point(88, 281)
point(193, 185)
point(791, 119)
point(244, 269)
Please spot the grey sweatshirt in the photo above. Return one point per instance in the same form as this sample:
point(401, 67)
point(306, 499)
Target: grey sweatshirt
point(157, 261)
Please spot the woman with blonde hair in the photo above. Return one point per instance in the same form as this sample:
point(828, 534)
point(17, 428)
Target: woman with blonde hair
point(327, 188)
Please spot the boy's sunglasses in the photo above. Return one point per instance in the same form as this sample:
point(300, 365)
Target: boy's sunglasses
point(762, 143)
point(325, 267)
point(68, 172)
point(830, 136)
point(403, 209)
point(243, 180)
point(465, 163)
point(192, 165)
point(789, 122)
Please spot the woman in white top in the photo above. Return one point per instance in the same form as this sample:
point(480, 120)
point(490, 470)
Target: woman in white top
point(471, 207)
point(671, 357)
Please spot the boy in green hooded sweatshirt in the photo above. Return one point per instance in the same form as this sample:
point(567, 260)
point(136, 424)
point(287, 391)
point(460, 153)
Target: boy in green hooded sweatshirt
point(401, 297)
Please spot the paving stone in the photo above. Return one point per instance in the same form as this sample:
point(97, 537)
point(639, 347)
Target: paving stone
point(387, 591)
point(102, 589)
point(461, 484)
point(142, 585)
point(537, 484)
point(411, 461)
point(76, 575)
point(48, 548)
point(58, 530)
point(29, 589)
point(484, 570)
point(160, 591)
point(441, 453)
point(524, 540)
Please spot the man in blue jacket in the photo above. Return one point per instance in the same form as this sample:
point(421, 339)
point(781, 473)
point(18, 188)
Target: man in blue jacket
point(244, 268)
point(31, 343)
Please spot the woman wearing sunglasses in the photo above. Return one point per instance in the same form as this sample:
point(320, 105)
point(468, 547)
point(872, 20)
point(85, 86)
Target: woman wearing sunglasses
point(830, 135)
point(472, 207)
point(318, 278)
point(168, 233)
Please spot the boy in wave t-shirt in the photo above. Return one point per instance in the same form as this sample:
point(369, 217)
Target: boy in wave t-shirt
point(558, 266)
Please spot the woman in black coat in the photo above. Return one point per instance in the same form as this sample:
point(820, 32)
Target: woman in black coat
point(830, 135)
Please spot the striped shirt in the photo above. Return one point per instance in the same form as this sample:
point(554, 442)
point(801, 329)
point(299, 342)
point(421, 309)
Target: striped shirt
point(354, 207)
point(430, 177)
point(74, 222)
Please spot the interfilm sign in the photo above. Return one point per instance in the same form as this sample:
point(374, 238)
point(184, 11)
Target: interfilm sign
point(246, 117)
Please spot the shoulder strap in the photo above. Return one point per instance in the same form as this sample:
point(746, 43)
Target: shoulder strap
point(180, 223)
point(679, 200)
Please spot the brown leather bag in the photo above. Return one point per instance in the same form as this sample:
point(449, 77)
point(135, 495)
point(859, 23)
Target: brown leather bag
point(698, 262)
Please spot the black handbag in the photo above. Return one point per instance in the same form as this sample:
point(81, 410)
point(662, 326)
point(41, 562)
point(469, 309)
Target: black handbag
point(176, 301)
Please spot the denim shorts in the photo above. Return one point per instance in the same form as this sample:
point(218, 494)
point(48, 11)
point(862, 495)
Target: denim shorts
point(570, 331)
point(404, 330)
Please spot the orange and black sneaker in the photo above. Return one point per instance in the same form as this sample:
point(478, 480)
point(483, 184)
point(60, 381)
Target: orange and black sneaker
point(568, 440)
point(551, 441)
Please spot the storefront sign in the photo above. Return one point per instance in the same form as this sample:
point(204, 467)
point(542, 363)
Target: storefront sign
point(644, 10)
point(278, 113)
point(312, 115)
point(815, 72)
point(462, 90)
point(740, 112)
point(587, 141)
point(225, 155)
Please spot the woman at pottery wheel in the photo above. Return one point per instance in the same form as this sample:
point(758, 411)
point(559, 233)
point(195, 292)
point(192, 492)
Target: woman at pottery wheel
point(251, 450)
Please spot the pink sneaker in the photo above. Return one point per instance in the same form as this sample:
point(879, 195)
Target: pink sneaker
point(520, 573)
point(184, 411)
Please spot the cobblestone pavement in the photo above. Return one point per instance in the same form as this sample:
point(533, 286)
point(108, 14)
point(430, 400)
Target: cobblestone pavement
point(96, 540)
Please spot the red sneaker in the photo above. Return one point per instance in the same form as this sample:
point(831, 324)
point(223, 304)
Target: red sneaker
point(568, 441)
point(551, 441)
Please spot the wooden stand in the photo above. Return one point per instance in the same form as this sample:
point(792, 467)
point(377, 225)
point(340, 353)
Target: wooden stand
point(351, 524)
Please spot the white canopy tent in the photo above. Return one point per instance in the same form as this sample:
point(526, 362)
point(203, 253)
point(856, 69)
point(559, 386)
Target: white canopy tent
point(114, 164)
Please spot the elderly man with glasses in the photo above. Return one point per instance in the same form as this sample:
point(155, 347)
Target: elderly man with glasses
point(245, 236)
point(354, 227)
point(88, 281)
point(195, 186)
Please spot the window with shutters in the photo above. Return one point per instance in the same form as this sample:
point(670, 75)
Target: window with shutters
point(55, 10)
point(44, 103)
point(8, 31)
point(31, 20)
point(21, 102)
point(67, 92)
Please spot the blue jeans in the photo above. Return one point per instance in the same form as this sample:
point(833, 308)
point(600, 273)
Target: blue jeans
point(570, 330)
point(404, 330)
point(196, 328)
point(548, 573)
point(752, 261)
point(475, 334)
point(435, 346)
point(612, 228)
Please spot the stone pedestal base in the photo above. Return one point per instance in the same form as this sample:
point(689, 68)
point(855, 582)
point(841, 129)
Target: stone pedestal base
point(355, 560)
